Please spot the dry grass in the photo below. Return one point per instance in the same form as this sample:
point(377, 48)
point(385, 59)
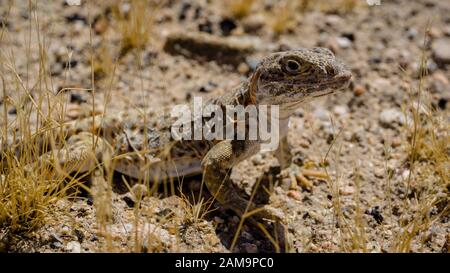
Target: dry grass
point(27, 191)
point(428, 163)
point(426, 144)
point(134, 20)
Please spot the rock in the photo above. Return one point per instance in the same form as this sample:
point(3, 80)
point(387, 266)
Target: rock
point(441, 51)
point(396, 142)
point(441, 87)
point(250, 248)
point(218, 220)
point(349, 35)
point(4, 244)
point(376, 214)
point(257, 159)
point(343, 42)
point(442, 103)
point(247, 235)
point(227, 25)
point(328, 129)
point(359, 89)
point(74, 247)
point(435, 32)
point(295, 195)
point(183, 11)
point(321, 114)
point(390, 117)
point(207, 47)
point(79, 234)
point(333, 20)
point(347, 190)
point(340, 110)
point(129, 200)
point(412, 33)
point(405, 174)
point(206, 27)
point(76, 98)
point(379, 172)
point(154, 236)
point(383, 85)
point(65, 230)
point(286, 183)
point(253, 23)
point(72, 18)
point(72, 2)
point(139, 191)
point(431, 66)
point(100, 25)
point(253, 63)
point(243, 68)
point(210, 86)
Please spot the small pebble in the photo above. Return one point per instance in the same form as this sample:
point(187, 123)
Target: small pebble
point(250, 248)
point(390, 117)
point(257, 159)
point(347, 190)
point(359, 89)
point(340, 110)
point(295, 195)
point(139, 190)
point(343, 42)
point(441, 51)
point(74, 247)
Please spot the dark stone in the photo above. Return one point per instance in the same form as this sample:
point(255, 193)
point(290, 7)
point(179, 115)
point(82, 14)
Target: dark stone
point(206, 27)
point(76, 98)
point(130, 202)
point(253, 63)
point(206, 47)
point(183, 11)
point(71, 64)
point(165, 212)
point(375, 59)
point(5, 24)
point(79, 234)
point(76, 17)
point(208, 87)
point(376, 214)
point(349, 36)
point(227, 25)
point(197, 13)
point(442, 103)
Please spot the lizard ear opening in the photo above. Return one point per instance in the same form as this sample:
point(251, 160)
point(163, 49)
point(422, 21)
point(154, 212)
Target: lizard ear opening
point(253, 87)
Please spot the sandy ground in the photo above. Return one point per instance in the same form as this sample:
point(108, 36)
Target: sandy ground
point(366, 206)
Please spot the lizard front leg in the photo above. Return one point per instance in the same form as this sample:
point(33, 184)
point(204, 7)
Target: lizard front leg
point(217, 165)
point(297, 175)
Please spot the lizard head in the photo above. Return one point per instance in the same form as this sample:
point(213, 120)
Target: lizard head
point(297, 75)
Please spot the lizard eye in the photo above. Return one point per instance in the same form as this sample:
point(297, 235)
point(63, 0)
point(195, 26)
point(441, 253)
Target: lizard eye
point(292, 66)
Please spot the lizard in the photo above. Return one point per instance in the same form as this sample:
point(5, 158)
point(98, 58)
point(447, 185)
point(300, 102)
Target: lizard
point(139, 144)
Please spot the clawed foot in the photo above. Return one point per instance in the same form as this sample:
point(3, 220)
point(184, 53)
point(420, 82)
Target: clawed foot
point(266, 212)
point(301, 177)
